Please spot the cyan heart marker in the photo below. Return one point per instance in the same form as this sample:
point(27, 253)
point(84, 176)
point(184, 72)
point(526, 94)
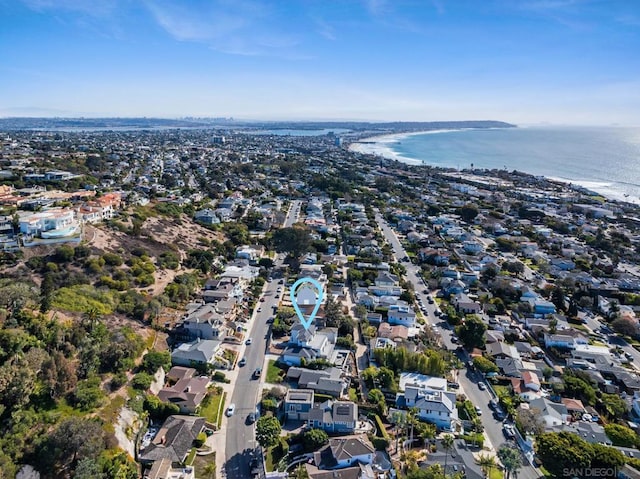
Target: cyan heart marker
point(301, 294)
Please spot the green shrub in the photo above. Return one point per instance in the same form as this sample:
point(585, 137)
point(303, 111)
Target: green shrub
point(477, 439)
point(382, 431)
point(380, 443)
point(200, 440)
point(112, 259)
point(141, 381)
point(220, 377)
point(83, 297)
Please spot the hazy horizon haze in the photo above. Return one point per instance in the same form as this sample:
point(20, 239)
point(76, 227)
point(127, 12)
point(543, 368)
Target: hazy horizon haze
point(528, 62)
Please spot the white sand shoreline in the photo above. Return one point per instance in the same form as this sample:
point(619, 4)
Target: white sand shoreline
point(382, 145)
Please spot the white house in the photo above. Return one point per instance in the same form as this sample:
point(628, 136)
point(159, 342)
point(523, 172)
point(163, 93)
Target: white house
point(434, 406)
point(401, 314)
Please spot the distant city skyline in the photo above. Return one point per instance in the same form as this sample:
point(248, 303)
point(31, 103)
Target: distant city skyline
point(520, 61)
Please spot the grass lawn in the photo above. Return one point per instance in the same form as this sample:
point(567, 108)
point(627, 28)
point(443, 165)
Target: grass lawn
point(495, 473)
point(191, 456)
point(212, 407)
point(269, 459)
point(201, 462)
point(275, 374)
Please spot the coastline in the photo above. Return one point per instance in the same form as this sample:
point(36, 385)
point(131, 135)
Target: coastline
point(382, 145)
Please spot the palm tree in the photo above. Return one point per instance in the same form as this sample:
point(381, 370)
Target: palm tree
point(476, 425)
point(410, 459)
point(511, 460)
point(399, 419)
point(487, 463)
point(447, 445)
point(91, 317)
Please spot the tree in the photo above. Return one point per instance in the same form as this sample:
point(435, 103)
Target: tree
point(468, 213)
point(511, 460)
point(487, 463)
point(447, 445)
point(557, 298)
point(294, 240)
point(577, 387)
point(561, 451)
point(625, 326)
point(607, 457)
point(88, 468)
point(485, 365)
point(615, 405)
point(529, 421)
point(268, 431)
point(376, 396)
point(156, 359)
point(314, 439)
point(76, 439)
point(621, 435)
point(471, 333)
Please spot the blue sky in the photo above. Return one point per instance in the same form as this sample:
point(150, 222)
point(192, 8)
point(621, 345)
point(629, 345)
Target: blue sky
point(524, 61)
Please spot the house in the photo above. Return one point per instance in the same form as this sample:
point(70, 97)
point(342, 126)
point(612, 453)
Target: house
point(163, 469)
point(250, 252)
point(396, 333)
point(567, 339)
point(401, 314)
point(334, 416)
point(499, 350)
point(434, 406)
point(205, 322)
point(360, 471)
point(309, 344)
point(464, 304)
point(423, 381)
point(386, 279)
point(531, 381)
point(551, 414)
point(198, 352)
point(174, 439)
point(187, 393)
point(298, 403)
point(207, 217)
point(329, 381)
point(574, 406)
point(344, 452)
point(176, 373)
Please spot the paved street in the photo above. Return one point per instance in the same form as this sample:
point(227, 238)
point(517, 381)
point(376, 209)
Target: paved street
point(240, 436)
point(468, 380)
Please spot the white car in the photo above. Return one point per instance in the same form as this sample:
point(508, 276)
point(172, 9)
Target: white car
point(231, 409)
point(248, 341)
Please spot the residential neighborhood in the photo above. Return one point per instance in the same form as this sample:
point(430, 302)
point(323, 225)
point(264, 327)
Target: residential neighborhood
point(471, 323)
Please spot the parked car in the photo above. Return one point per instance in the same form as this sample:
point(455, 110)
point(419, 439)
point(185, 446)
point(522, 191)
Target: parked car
point(257, 373)
point(231, 409)
point(482, 386)
point(509, 431)
point(478, 411)
point(248, 341)
point(251, 418)
point(242, 362)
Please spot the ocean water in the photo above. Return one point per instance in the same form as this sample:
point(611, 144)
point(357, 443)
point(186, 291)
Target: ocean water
point(605, 160)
